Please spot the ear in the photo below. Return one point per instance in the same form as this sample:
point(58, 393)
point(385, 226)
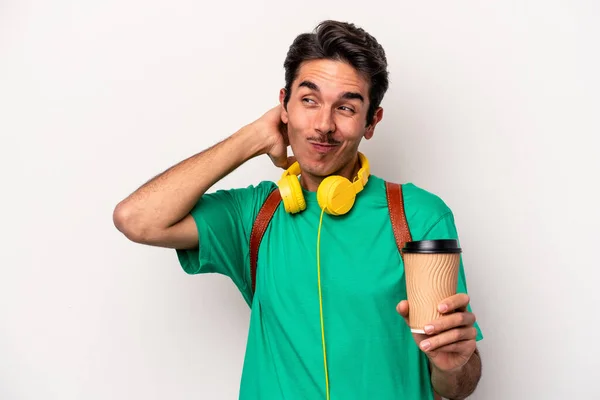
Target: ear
point(378, 116)
point(284, 114)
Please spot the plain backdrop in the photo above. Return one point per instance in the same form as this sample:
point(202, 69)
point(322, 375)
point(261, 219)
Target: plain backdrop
point(493, 106)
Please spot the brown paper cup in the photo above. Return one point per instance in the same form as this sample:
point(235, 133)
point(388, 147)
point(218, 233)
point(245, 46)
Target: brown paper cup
point(431, 272)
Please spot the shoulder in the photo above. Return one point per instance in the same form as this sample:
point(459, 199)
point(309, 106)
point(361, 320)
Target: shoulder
point(423, 200)
point(241, 203)
point(416, 199)
point(423, 209)
point(259, 191)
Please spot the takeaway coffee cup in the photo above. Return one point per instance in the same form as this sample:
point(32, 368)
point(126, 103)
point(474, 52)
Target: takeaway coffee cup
point(431, 271)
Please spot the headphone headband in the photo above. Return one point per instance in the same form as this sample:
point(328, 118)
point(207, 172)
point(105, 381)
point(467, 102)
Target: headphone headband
point(365, 170)
point(294, 169)
point(362, 175)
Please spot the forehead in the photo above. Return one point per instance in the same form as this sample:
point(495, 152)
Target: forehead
point(332, 76)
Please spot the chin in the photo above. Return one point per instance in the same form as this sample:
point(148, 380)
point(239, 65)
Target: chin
point(320, 165)
point(320, 169)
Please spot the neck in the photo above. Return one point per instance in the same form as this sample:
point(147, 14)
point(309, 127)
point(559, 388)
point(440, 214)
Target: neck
point(311, 182)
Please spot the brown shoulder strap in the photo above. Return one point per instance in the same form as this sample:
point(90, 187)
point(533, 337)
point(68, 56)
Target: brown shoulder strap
point(395, 201)
point(258, 230)
point(396, 206)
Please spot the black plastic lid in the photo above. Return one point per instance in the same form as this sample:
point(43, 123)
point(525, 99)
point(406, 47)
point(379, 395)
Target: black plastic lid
point(432, 246)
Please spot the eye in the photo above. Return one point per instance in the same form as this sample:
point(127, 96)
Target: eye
point(308, 100)
point(348, 109)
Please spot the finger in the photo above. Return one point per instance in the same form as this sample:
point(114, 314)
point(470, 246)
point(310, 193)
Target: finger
point(450, 321)
point(280, 160)
point(464, 347)
point(454, 303)
point(283, 130)
point(448, 337)
point(402, 308)
point(460, 353)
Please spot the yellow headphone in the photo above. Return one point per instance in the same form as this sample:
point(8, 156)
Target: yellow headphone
point(336, 194)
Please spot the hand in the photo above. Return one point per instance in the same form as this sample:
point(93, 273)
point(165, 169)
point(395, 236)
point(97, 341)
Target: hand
point(273, 136)
point(449, 341)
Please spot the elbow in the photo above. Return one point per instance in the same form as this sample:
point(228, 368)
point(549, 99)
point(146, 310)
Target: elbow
point(128, 223)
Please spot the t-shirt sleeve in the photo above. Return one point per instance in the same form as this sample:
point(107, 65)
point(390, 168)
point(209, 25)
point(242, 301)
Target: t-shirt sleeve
point(445, 228)
point(224, 220)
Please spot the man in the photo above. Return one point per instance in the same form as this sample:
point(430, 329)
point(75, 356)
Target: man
point(328, 313)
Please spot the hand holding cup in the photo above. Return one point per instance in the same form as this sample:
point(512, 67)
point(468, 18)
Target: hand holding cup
point(437, 315)
point(448, 341)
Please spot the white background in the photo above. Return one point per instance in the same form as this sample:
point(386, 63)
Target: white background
point(493, 106)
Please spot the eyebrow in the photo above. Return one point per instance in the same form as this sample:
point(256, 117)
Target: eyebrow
point(345, 95)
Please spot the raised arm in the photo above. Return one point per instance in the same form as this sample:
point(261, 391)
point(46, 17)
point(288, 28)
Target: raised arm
point(157, 213)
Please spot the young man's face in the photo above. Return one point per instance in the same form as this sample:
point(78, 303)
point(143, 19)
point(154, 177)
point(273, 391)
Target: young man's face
point(326, 117)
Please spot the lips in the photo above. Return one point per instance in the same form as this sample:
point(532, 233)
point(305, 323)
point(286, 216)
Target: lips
point(323, 148)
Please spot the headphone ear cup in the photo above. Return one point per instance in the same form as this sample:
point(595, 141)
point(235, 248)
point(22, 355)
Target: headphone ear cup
point(336, 195)
point(291, 194)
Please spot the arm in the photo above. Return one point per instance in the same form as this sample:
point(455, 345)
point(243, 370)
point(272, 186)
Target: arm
point(460, 383)
point(158, 212)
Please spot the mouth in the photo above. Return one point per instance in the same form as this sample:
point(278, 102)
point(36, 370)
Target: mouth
point(323, 148)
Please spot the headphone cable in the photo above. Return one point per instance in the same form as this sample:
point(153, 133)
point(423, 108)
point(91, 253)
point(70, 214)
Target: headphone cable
point(321, 305)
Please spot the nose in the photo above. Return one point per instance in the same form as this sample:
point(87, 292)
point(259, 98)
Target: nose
point(324, 123)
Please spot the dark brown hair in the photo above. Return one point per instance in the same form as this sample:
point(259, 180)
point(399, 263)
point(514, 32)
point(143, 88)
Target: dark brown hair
point(341, 41)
